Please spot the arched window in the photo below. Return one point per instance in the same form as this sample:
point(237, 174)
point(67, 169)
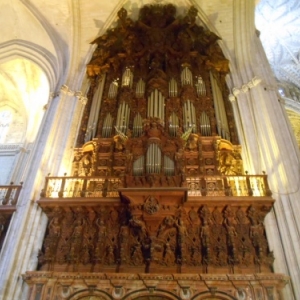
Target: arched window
point(5, 122)
point(12, 125)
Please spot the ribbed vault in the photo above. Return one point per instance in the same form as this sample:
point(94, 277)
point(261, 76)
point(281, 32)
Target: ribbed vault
point(279, 25)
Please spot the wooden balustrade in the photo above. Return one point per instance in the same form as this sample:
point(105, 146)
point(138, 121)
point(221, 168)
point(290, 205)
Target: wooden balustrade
point(9, 194)
point(215, 185)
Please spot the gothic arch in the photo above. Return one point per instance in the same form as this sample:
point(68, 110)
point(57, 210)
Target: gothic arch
point(25, 90)
point(88, 295)
point(152, 298)
point(38, 55)
point(155, 295)
point(216, 296)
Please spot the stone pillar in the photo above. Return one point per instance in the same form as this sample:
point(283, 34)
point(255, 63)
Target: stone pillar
point(269, 143)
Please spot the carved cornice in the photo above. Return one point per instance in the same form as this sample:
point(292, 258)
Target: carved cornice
point(36, 275)
point(185, 286)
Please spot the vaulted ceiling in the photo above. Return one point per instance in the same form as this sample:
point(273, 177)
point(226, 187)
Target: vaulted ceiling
point(61, 32)
point(279, 25)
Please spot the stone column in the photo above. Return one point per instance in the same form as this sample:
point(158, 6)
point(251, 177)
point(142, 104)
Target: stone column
point(269, 143)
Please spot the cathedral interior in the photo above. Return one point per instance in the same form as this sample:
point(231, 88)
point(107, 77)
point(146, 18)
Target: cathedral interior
point(149, 150)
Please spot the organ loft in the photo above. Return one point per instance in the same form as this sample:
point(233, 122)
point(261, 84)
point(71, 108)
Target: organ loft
point(159, 205)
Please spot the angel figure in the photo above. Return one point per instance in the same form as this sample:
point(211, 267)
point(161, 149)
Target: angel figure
point(120, 140)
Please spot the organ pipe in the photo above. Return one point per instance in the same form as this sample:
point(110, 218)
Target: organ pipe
point(140, 89)
point(153, 163)
point(222, 123)
point(156, 104)
point(173, 124)
point(189, 116)
point(205, 127)
point(138, 166)
point(168, 166)
point(137, 125)
point(113, 90)
point(173, 91)
point(123, 117)
point(107, 126)
point(186, 76)
point(127, 78)
point(200, 87)
point(95, 110)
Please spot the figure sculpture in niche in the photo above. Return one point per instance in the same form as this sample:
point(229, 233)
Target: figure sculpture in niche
point(169, 255)
point(136, 255)
point(109, 255)
point(179, 159)
point(54, 227)
point(87, 164)
point(102, 234)
point(76, 163)
point(205, 239)
point(138, 223)
point(156, 26)
point(182, 234)
point(192, 142)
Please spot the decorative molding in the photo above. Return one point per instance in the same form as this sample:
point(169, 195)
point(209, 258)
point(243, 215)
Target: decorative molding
point(133, 286)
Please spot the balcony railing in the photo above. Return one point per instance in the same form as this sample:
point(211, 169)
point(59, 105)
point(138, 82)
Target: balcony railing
point(9, 194)
point(247, 185)
point(95, 187)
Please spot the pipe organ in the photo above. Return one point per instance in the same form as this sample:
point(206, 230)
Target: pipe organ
point(156, 187)
point(162, 95)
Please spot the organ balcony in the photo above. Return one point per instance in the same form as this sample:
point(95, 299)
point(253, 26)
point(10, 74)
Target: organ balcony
point(9, 195)
point(152, 204)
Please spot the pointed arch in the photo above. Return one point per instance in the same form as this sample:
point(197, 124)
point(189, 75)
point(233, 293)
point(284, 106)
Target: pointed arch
point(38, 55)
